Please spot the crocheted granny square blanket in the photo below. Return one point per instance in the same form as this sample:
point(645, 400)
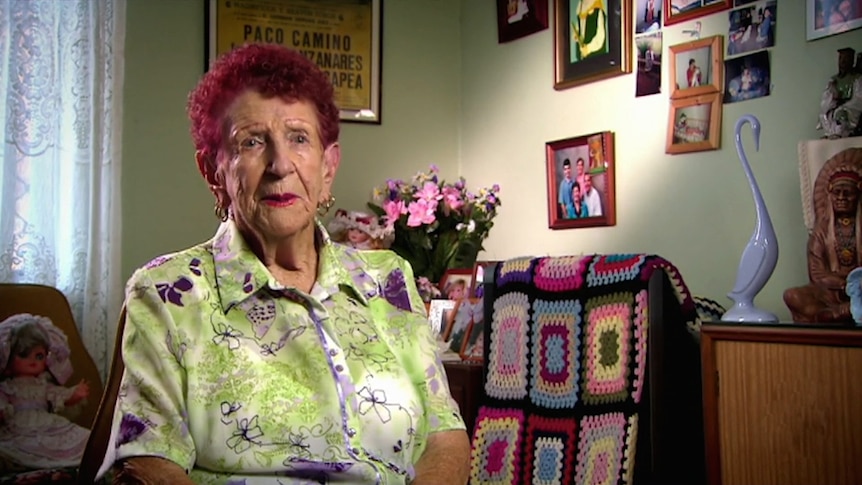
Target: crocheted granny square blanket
point(565, 369)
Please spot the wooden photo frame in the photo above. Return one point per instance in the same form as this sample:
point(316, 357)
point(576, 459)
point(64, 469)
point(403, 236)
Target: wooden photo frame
point(574, 163)
point(456, 283)
point(344, 38)
point(697, 67)
point(459, 320)
point(676, 11)
point(520, 18)
point(820, 23)
point(438, 316)
point(579, 59)
point(694, 124)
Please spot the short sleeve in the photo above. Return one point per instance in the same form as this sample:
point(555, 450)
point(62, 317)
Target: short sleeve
point(428, 373)
point(150, 417)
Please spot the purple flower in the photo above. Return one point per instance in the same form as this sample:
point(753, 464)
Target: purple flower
point(131, 427)
point(194, 266)
point(172, 292)
point(395, 290)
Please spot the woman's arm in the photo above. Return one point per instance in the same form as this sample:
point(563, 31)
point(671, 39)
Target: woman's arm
point(149, 470)
point(446, 459)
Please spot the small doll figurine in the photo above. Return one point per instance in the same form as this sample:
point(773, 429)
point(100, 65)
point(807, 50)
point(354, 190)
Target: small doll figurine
point(34, 355)
point(359, 230)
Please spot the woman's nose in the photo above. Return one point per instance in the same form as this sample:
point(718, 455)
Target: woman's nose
point(280, 160)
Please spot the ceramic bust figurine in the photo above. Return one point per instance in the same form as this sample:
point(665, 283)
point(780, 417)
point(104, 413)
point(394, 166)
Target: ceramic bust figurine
point(834, 245)
point(841, 102)
point(359, 230)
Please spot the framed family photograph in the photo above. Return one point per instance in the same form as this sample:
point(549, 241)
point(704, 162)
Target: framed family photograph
point(694, 124)
point(829, 17)
point(438, 315)
point(343, 37)
point(676, 11)
point(592, 41)
point(473, 343)
point(520, 18)
point(580, 174)
point(456, 283)
point(747, 77)
point(697, 67)
point(460, 322)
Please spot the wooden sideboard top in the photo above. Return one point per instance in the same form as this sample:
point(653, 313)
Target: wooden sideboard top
point(798, 333)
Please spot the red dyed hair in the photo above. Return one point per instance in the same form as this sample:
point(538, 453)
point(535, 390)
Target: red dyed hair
point(270, 69)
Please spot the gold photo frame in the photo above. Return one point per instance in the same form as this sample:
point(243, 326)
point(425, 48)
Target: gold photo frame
point(697, 67)
point(694, 124)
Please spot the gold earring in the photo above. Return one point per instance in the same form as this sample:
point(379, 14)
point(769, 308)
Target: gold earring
point(220, 212)
point(323, 207)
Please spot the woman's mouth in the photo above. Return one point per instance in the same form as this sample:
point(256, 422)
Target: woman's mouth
point(279, 200)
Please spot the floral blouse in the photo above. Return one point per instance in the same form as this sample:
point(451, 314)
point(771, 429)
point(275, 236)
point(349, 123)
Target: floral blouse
point(239, 380)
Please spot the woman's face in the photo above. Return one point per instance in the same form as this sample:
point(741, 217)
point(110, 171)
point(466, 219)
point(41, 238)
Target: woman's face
point(273, 170)
point(32, 363)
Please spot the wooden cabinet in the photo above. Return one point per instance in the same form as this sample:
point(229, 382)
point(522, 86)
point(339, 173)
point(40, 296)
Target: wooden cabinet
point(465, 383)
point(782, 404)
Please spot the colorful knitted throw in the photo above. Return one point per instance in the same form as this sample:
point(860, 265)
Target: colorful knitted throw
point(565, 369)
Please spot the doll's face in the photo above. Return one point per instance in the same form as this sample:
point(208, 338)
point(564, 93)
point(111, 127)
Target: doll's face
point(30, 363)
point(356, 236)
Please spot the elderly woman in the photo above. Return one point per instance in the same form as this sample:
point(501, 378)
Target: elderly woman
point(270, 352)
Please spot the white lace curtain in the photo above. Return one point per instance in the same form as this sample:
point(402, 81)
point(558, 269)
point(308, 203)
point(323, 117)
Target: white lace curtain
point(61, 74)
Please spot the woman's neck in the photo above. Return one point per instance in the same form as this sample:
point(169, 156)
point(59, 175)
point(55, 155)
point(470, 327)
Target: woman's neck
point(292, 260)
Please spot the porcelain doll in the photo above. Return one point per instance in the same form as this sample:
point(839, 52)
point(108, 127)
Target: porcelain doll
point(359, 230)
point(34, 355)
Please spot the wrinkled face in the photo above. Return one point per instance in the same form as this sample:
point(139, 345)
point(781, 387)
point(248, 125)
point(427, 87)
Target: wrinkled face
point(32, 363)
point(272, 170)
point(844, 195)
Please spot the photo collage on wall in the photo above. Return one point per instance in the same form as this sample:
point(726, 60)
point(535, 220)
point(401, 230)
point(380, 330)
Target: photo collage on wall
point(648, 24)
point(751, 33)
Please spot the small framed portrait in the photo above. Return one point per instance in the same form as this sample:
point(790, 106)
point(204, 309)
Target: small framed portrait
point(466, 311)
point(648, 17)
point(473, 343)
point(697, 67)
point(829, 17)
point(649, 64)
point(456, 283)
point(752, 28)
point(747, 77)
point(520, 18)
point(592, 41)
point(581, 187)
point(479, 277)
point(439, 312)
point(694, 124)
point(676, 11)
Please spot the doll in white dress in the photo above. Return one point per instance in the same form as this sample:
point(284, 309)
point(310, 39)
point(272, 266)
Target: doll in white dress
point(34, 355)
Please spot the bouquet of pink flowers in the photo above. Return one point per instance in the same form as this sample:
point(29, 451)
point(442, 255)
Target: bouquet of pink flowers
point(438, 225)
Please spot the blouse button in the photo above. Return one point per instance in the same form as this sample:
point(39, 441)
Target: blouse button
point(333, 352)
point(339, 368)
point(355, 451)
point(351, 432)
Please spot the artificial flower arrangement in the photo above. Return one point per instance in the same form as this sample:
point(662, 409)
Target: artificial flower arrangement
point(438, 225)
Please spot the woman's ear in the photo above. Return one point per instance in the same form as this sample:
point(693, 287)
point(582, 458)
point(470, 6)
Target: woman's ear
point(331, 161)
point(208, 167)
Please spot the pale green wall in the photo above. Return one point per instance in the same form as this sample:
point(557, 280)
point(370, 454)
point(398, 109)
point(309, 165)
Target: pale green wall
point(455, 97)
point(166, 205)
point(696, 209)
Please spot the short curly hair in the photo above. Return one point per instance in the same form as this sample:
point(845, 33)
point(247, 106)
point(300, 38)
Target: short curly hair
point(270, 69)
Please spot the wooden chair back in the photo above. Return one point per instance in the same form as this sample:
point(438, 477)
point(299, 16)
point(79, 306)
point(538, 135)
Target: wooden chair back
point(49, 302)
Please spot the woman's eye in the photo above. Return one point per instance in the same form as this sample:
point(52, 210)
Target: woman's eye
point(40, 356)
point(298, 137)
point(251, 142)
